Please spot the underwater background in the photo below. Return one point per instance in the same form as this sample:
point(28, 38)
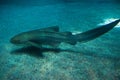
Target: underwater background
point(98, 59)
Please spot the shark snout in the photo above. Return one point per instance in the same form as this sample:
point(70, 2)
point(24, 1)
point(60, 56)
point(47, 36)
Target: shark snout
point(14, 40)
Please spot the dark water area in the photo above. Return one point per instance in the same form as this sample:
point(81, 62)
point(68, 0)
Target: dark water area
point(98, 59)
point(46, 2)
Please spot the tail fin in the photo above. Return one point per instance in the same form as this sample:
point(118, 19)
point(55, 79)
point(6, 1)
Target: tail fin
point(94, 33)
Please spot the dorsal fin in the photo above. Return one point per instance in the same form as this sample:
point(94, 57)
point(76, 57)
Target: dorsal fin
point(66, 33)
point(53, 29)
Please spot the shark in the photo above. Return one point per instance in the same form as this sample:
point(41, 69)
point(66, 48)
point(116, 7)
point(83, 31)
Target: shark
point(52, 36)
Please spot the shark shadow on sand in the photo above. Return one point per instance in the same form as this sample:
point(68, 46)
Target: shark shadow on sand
point(34, 51)
point(38, 52)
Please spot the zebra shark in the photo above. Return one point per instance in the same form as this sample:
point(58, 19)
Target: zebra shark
point(52, 36)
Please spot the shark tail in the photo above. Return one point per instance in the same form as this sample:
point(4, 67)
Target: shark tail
point(94, 33)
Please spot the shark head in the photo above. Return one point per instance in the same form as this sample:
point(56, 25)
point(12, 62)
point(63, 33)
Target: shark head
point(19, 39)
point(25, 38)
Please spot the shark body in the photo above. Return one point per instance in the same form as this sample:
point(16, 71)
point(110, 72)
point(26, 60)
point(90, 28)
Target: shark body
point(52, 36)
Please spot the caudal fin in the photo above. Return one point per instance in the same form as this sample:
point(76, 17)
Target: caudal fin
point(94, 33)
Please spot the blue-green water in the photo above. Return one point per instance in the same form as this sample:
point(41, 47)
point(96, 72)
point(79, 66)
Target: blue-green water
point(98, 59)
